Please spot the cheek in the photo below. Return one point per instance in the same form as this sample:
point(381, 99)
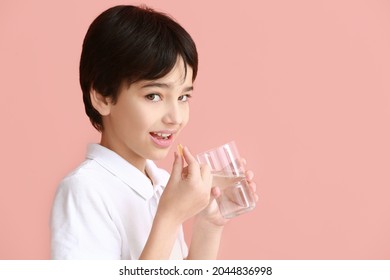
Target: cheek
point(131, 118)
point(186, 116)
point(143, 119)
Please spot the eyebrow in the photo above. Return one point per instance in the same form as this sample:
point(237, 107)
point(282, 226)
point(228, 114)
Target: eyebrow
point(167, 86)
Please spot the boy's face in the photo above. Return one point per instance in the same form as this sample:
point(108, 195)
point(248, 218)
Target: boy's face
point(148, 116)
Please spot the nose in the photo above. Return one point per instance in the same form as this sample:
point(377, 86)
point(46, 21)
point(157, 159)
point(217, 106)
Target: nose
point(173, 114)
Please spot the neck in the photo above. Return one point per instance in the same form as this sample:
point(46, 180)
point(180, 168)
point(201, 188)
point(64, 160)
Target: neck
point(126, 153)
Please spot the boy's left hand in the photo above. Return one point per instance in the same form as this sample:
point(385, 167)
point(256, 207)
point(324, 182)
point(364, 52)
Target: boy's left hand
point(211, 213)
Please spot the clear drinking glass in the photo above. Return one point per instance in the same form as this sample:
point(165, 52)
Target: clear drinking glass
point(229, 175)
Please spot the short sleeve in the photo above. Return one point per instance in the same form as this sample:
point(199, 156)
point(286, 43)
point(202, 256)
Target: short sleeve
point(81, 223)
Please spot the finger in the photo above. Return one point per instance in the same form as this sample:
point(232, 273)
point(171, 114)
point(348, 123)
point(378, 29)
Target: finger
point(205, 172)
point(249, 175)
point(252, 186)
point(193, 166)
point(216, 192)
point(177, 167)
point(189, 158)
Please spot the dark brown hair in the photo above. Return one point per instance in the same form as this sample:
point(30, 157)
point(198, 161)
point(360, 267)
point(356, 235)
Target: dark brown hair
point(129, 44)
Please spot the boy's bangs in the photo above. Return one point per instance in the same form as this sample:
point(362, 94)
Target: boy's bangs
point(159, 53)
point(159, 60)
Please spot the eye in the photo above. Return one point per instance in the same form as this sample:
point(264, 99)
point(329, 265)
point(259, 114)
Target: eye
point(153, 97)
point(185, 98)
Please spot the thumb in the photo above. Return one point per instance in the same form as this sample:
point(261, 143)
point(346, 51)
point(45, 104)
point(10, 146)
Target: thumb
point(177, 167)
point(216, 192)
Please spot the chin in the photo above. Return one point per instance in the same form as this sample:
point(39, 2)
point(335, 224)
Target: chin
point(159, 155)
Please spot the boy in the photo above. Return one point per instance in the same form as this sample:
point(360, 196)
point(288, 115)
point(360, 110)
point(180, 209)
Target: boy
point(137, 70)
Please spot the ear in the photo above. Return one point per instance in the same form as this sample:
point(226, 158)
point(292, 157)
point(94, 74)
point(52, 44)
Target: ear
point(100, 103)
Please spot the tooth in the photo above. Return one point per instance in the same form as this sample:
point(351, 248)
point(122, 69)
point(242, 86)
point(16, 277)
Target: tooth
point(164, 135)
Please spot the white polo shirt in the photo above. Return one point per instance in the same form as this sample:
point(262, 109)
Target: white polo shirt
point(105, 208)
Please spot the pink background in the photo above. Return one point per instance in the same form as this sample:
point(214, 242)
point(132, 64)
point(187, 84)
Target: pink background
point(302, 86)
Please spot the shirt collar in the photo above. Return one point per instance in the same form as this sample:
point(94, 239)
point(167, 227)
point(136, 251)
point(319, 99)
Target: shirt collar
point(125, 171)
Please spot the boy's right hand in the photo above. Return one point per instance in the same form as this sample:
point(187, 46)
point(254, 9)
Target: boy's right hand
point(187, 191)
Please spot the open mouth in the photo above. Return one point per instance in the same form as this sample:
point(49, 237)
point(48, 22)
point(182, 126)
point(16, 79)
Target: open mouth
point(161, 136)
point(162, 139)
